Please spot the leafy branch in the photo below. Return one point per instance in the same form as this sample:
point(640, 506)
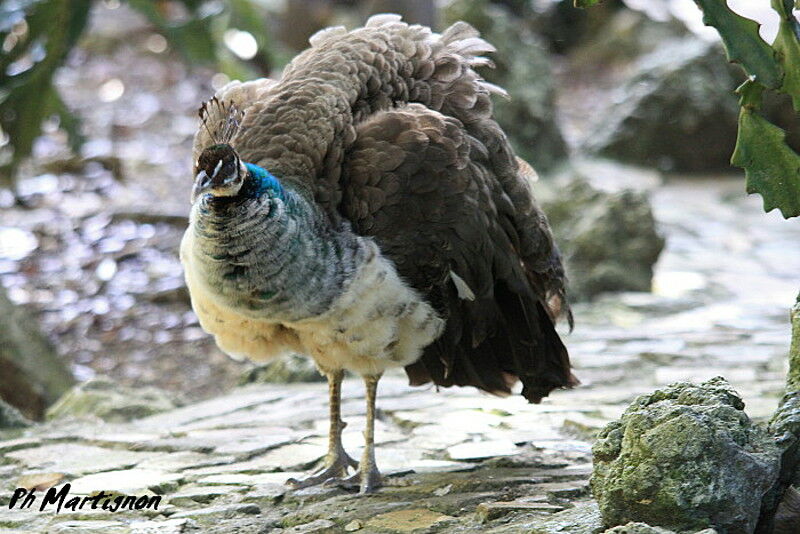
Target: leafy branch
point(772, 168)
point(37, 35)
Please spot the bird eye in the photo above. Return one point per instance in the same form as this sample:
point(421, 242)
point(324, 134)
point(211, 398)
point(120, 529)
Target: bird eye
point(229, 170)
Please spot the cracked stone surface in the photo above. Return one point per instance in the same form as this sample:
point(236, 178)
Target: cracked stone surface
point(456, 460)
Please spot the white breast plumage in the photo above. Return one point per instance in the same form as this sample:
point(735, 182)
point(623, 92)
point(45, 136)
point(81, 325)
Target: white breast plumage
point(378, 322)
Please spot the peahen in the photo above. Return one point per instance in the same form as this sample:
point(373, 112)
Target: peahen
point(366, 210)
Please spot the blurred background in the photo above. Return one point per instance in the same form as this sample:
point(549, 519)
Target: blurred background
point(626, 110)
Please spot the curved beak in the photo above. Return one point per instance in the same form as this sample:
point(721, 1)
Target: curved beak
point(201, 182)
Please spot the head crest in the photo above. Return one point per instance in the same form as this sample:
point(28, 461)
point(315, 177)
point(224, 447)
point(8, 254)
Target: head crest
point(221, 120)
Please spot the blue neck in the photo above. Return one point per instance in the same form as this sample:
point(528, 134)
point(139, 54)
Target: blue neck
point(263, 183)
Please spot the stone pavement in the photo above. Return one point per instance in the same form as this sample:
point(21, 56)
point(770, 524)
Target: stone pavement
point(221, 464)
point(458, 461)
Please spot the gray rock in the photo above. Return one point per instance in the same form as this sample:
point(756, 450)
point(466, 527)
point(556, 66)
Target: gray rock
point(608, 239)
point(104, 398)
point(679, 99)
point(523, 68)
point(583, 518)
point(77, 459)
point(644, 528)
point(11, 418)
point(31, 375)
point(320, 526)
point(89, 527)
point(623, 37)
point(224, 511)
point(563, 27)
point(637, 528)
point(794, 352)
point(286, 370)
point(685, 457)
point(785, 427)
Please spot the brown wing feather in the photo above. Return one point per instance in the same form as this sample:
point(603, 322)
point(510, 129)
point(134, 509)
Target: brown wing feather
point(426, 190)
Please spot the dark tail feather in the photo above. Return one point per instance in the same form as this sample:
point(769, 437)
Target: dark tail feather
point(524, 345)
point(554, 368)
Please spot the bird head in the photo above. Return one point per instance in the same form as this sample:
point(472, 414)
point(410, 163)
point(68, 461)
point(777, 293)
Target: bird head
point(219, 172)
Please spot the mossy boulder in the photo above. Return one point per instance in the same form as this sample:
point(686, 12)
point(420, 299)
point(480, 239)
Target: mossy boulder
point(112, 402)
point(11, 418)
point(31, 375)
point(785, 428)
point(677, 111)
point(686, 457)
point(286, 370)
point(608, 239)
point(794, 352)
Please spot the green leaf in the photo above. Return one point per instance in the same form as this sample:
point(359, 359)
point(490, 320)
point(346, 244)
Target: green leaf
point(750, 93)
point(772, 168)
point(586, 3)
point(27, 97)
point(742, 42)
point(68, 121)
point(787, 50)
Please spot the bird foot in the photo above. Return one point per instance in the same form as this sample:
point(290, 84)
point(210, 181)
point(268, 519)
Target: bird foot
point(365, 482)
point(334, 469)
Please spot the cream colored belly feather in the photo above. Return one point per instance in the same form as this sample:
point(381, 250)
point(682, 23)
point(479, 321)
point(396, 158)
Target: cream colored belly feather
point(376, 323)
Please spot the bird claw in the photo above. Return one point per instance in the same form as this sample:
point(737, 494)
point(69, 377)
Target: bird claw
point(365, 484)
point(335, 469)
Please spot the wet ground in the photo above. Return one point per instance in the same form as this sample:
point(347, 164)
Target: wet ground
point(458, 460)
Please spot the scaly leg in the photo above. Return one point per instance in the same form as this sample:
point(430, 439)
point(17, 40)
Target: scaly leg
point(337, 461)
point(367, 477)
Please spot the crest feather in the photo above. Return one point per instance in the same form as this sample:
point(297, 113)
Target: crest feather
point(222, 120)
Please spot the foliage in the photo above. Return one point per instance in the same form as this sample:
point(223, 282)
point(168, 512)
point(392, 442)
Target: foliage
point(37, 35)
point(771, 167)
point(586, 3)
point(794, 351)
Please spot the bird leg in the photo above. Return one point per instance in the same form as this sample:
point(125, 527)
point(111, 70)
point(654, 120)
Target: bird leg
point(337, 461)
point(367, 477)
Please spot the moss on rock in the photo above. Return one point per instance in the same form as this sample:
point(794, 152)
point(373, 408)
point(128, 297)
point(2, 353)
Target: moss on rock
point(11, 418)
point(793, 381)
point(286, 370)
point(685, 457)
point(104, 398)
point(609, 239)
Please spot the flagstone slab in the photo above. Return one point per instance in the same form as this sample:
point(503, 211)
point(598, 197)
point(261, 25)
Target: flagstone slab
point(76, 459)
